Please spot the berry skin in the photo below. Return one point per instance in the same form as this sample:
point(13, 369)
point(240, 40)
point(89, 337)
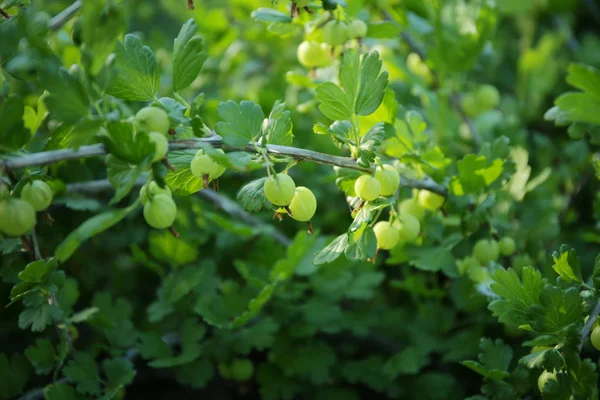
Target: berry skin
point(470, 104)
point(312, 54)
point(151, 189)
point(203, 164)
point(161, 145)
point(389, 179)
point(242, 369)
point(280, 189)
point(412, 207)
point(431, 201)
point(367, 187)
point(153, 119)
point(17, 217)
point(221, 169)
point(408, 227)
point(335, 33)
point(544, 378)
point(488, 97)
point(595, 337)
point(486, 250)
point(38, 194)
point(507, 246)
point(160, 211)
point(467, 264)
point(224, 371)
point(387, 235)
point(303, 205)
point(358, 28)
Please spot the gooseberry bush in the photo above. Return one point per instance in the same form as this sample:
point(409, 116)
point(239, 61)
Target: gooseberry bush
point(319, 199)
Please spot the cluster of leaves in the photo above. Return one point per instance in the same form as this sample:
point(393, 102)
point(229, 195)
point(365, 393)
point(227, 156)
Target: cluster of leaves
point(114, 301)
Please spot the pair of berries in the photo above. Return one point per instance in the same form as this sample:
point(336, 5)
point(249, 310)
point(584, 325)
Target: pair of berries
point(17, 216)
point(299, 202)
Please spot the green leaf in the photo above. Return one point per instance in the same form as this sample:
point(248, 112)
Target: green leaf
point(566, 264)
point(580, 107)
point(484, 371)
point(181, 282)
point(252, 195)
point(182, 180)
point(36, 271)
point(350, 75)
point(42, 356)
point(14, 373)
point(13, 134)
point(188, 56)
point(362, 248)
point(558, 309)
point(334, 102)
point(40, 317)
point(596, 273)
point(384, 30)
point(68, 100)
point(407, 362)
point(60, 391)
point(90, 228)
point(82, 372)
point(122, 176)
point(196, 374)
point(254, 307)
point(138, 76)
point(476, 172)
point(270, 15)
point(495, 355)
point(373, 83)
point(82, 133)
point(275, 385)
point(332, 251)
point(241, 122)
point(192, 333)
point(123, 142)
point(584, 77)
point(102, 23)
point(279, 126)
point(166, 247)
point(119, 372)
point(152, 346)
point(517, 295)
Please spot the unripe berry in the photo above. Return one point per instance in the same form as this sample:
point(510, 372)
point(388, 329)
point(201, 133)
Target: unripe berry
point(412, 207)
point(431, 201)
point(303, 205)
point(335, 33)
point(408, 227)
point(17, 217)
point(203, 164)
point(367, 187)
point(387, 235)
point(153, 119)
point(488, 97)
point(161, 145)
point(544, 378)
point(389, 179)
point(486, 251)
point(280, 189)
point(312, 54)
point(151, 189)
point(358, 28)
point(38, 194)
point(242, 369)
point(595, 337)
point(160, 211)
point(507, 246)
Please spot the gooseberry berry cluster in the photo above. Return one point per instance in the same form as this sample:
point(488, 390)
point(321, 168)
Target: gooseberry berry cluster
point(17, 215)
point(335, 34)
point(298, 202)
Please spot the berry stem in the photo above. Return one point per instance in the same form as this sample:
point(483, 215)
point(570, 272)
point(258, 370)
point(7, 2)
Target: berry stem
point(287, 208)
point(174, 232)
point(310, 228)
point(167, 164)
point(191, 4)
point(4, 14)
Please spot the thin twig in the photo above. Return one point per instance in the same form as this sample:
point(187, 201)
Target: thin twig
point(36, 247)
point(585, 331)
point(4, 14)
point(64, 16)
point(51, 157)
